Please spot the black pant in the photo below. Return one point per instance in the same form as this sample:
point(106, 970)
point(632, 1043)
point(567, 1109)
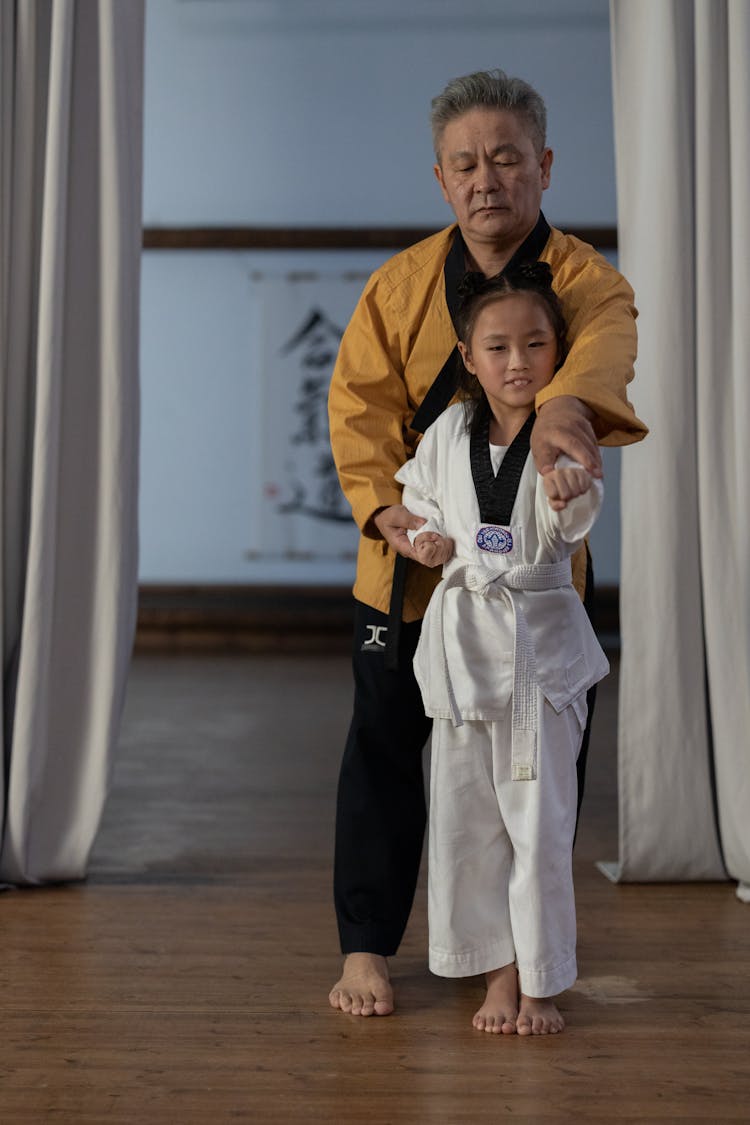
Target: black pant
point(381, 814)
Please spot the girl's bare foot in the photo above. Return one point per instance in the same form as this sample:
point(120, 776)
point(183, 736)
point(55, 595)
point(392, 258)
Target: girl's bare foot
point(539, 1016)
point(365, 987)
point(500, 1009)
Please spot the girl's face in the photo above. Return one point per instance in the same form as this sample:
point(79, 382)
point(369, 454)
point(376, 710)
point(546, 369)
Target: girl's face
point(512, 350)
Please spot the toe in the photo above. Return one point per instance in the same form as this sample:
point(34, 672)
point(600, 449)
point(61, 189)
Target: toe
point(346, 1002)
point(368, 1006)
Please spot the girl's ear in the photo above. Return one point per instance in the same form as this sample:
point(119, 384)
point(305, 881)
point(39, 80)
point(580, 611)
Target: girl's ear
point(466, 357)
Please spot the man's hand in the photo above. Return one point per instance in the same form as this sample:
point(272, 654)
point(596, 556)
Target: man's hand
point(393, 523)
point(563, 485)
point(563, 425)
point(431, 549)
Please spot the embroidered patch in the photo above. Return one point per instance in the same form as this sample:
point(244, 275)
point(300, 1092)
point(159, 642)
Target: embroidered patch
point(497, 540)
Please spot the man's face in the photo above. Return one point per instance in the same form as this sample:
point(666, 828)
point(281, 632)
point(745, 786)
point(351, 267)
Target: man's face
point(492, 176)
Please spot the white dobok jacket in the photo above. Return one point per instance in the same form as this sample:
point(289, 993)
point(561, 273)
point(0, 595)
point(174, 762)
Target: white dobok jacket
point(505, 618)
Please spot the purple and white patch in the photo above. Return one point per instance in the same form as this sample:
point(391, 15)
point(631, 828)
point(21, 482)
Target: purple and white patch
point(497, 540)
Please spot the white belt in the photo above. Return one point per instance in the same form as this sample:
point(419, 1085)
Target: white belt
point(542, 576)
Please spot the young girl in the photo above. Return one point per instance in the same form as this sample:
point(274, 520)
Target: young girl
point(505, 658)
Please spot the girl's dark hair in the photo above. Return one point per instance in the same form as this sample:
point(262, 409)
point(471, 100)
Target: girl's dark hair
point(476, 292)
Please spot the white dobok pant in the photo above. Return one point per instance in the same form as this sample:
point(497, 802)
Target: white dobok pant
point(500, 851)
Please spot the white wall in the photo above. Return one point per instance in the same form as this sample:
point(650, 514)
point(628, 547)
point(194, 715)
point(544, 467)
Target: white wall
point(303, 113)
point(315, 112)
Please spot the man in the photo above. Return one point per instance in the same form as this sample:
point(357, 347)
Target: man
point(392, 377)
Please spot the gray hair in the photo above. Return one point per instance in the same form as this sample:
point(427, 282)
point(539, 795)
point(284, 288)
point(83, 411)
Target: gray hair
point(489, 89)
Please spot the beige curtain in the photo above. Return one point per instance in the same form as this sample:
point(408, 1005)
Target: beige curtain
point(682, 125)
point(71, 79)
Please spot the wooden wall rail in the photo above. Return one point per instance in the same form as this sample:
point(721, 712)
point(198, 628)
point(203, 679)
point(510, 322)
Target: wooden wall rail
point(318, 238)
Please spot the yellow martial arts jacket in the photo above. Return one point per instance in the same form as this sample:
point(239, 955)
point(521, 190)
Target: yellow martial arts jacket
point(397, 341)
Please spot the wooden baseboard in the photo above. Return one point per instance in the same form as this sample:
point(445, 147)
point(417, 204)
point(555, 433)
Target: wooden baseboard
point(209, 618)
point(243, 618)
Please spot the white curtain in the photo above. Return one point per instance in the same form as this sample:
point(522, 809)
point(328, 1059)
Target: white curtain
point(71, 80)
point(682, 127)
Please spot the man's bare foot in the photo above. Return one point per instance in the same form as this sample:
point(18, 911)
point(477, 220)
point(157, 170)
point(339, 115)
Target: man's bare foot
point(365, 986)
point(500, 1009)
point(539, 1016)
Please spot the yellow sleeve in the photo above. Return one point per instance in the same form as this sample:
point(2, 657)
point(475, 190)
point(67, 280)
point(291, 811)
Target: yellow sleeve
point(598, 305)
point(368, 405)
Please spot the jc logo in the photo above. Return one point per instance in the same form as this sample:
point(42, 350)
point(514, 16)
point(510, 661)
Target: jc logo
point(375, 635)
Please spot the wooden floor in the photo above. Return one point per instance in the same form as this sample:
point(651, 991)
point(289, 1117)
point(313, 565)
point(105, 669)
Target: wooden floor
point(186, 981)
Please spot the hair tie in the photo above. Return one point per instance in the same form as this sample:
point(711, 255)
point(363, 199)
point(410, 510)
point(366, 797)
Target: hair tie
point(470, 284)
point(537, 274)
